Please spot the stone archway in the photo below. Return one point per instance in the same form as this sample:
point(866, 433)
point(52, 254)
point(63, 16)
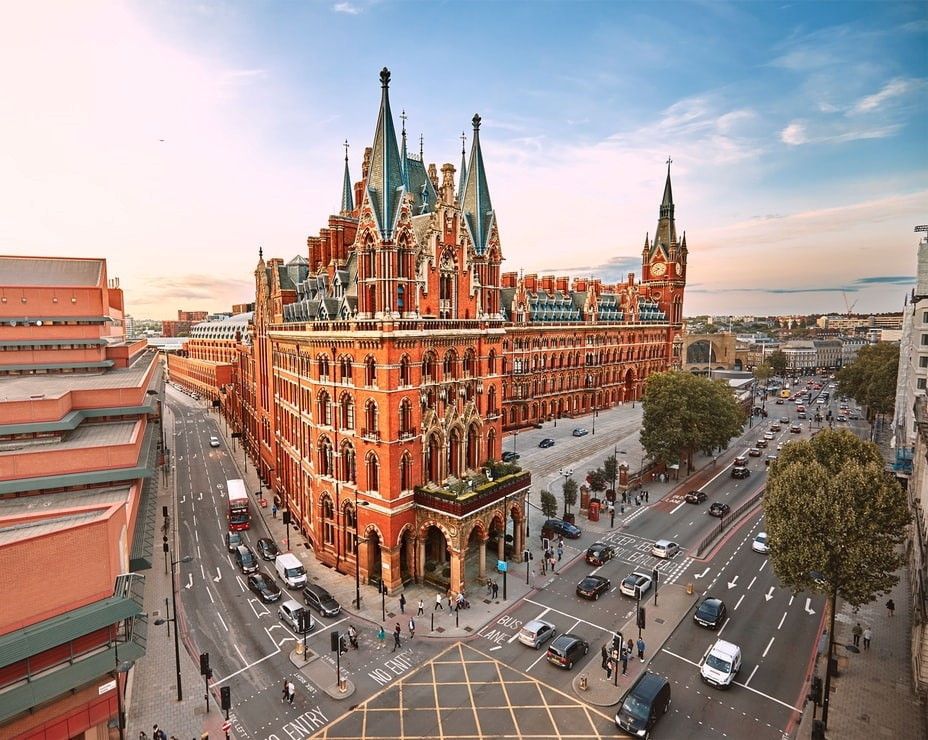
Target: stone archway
point(435, 556)
point(629, 386)
point(406, 543)
point(475, 559)
point(374, 556)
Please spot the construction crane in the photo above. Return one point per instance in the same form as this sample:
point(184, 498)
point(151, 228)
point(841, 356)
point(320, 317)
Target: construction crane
point(848, 306)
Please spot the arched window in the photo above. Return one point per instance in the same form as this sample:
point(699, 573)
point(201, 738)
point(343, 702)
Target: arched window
point(405, 417)
point(450, 365)
point(328, 521)
point(491, 444)
point(372, 465)
point(405, 375)
point(371, 422)
point(469, 363)
point(346, 411)
point(350, 524)
point(345, 370)
point(400, 298)
point(324, 457)
point(428, 368)
point(491, 400)
point(405, 472)
point(473, 442)
point(370, 372)
point(323, 364)
point(349, 471)
point(324, 409)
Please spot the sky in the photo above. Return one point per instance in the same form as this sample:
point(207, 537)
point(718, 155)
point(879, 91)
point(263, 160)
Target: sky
point(175, 138)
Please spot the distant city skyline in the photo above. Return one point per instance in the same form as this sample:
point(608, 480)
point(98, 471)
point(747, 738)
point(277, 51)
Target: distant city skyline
point(175, 139)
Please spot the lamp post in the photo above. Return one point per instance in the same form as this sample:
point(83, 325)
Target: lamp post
point(357, 550)
point(185, 559)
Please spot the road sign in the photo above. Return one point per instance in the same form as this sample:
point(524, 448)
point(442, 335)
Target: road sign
point(226, 726)
point(502, 566)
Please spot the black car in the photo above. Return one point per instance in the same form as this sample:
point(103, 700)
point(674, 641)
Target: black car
point(710, 613)
point(546, 442)
point(592, 587)
point(719, 509)
point(567, 650)
point(264, 586)
point(321, 600)
point(267, 549)
point(510, 456)
point(695, 497)
point(560, 527)
point(740, 472)
point(643, 705)
point(599, 553)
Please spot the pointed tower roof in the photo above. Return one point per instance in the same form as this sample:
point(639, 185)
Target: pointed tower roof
point(666, 234)
point(385, 180)
point(476, 205)
point(462, 177)
point(667, 201)
point(404, 158)
point(347, 195)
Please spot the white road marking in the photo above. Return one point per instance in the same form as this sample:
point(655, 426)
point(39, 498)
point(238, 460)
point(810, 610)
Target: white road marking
point(189, 581)
point(740, 600)
point(752, 675)
point(674, 509)
point(769, 594)
point(516, 635)
point(239, 653)
point(809, 609)
point(732, 583)
point(767, 649)
point(752, 581)
point(782, 619)
point(700, 575)
point(763, 565)
point(727, 620)
point(222, 621)
point(210, 594)
point(607, 630)
point(218, 577)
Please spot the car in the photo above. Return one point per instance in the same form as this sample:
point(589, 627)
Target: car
point(775, 427)
point(800, 408)
point(768, 436)
point(842, 417)
point(264, 586)
point(536, 632)
point(546, 442)
point(695, 497)
point(214, 442)
point(246, 559)
point(740, 472)
point(537, 425)
point(636, 584)
point(780, 402)
point(599, 553)
point(853, 415)
point(643, 705)
point(565, 529)
point(510, 456)
point(664, 549)
point(760, 543)
point(820, 400)
point(719, 509)
point(267, 549)
point(762, 442)
point(795, 429)
point(321, 600)
point(289, 613)
point(592, 587)
point(741, 461)
point(566, 650)
point(779, 446)
point(580, 432)
point(234, 540)
point(754, 452)
point(802, 415)
point(710, 613)
point(784, 420)
point(722, 663)
point(770, 460)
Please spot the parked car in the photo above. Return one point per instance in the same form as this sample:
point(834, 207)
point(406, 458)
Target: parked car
point(784, 420)
point(510, 456)
point(234, 540)
point(853, 415)
point(754, 452)
point(267, 549)
point(635, 584)
point(546, 442)
point(719, 509)
point(536, 632)
point(643, 705)
point(760, 543)
point(580, 432)
point(321, 600)
point(802, 415)
point(264, 586)
point(566, 650)
point(592, 587)
point(599, 553)
point(560, 527)
point(214, 442)
point(841, 417)
point(695, 497)
point(780, 402)
point(710, 613)
point(768, 436)
point(664, 549)
point(740, 472)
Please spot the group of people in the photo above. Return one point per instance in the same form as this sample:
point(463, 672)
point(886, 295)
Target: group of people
point(625, 652)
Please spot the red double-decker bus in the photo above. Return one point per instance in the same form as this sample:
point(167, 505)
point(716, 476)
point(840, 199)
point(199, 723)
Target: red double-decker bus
point(239, 513)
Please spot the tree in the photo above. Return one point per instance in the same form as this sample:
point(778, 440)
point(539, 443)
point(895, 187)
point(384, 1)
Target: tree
point(778, 361)
point(597, 479)
point(684, 413)
point(762, 374)
point(834, 521)
point(871, 378)
point(611, 469)
point(548, 504)
point(570, 494)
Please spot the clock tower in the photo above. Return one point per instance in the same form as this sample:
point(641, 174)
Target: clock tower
point(663, 260)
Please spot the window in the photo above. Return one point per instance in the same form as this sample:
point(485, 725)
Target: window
point(349, 470)
point(405, 417)
point(345, 370)
point(328, 521)
point(920, 384)
point(350, 523)
point(925, 340)
point(373, 472)
point(925, 317)
point(404, 371)
point(325, 457)
point(323, 368)
point(324, 409)
point(923, 361)
point(370, 372)
point(346, 406)
point(370, 418)
point(406, 472)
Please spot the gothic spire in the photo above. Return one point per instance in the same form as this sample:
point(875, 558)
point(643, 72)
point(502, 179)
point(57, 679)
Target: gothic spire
point(667, 202)
point(404, 162)
point(463, 174)
point(476, 205)
point(385, 182)
point(347, 196)
point(666, 235)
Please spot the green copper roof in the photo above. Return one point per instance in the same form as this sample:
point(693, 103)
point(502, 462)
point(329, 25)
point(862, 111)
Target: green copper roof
point(477, 208)
point(347, 195)
point(385, 179)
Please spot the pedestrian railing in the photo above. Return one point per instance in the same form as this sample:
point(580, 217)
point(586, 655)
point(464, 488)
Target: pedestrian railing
point(726, 521)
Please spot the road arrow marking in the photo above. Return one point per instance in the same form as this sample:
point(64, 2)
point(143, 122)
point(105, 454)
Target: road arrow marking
point(201, 496)
point(734, 582)
point(769, 594)
point(189, 581)
point(496, 647)
point(183, 499)
point(218, 576)
point(809, 609)
point(700, 575)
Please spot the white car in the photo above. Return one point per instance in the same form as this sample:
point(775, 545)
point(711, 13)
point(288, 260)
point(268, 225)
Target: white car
point(665, 549)
point(635, 584)
point(214, 442)
point(760, 543)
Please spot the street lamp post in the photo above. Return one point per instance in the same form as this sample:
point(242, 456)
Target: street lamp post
point(185, 559)
point(357, 550)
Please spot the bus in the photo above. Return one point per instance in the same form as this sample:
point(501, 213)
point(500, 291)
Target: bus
point(239, 515)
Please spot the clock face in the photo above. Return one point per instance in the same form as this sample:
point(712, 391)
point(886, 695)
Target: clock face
point(658, 268)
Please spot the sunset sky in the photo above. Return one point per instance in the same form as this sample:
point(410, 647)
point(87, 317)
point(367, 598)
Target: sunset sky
point(174, 138)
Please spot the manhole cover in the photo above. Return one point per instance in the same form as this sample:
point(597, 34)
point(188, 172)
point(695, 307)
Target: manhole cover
point(468, 629)
point(439, 629)
point(658, 620)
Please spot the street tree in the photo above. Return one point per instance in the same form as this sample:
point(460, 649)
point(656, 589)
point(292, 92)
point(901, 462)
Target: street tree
point(834, 522)
point(548, 504)
point(597, 479)
point(685, 413)
point(570, 495)
point(871, 378)
point(611, 470)
point(778, 361)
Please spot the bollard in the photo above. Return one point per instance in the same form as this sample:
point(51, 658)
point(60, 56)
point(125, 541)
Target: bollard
point(582, 685)
point(433, 621)
point(689, 589)
point(342, 684)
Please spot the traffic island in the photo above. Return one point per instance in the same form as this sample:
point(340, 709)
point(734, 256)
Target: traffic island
point(321, 673)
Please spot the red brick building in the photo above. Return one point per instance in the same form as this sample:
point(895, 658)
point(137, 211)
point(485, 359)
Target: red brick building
point(79, 438)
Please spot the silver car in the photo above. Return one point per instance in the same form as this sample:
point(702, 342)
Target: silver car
point(665, 549)
point(536, 632)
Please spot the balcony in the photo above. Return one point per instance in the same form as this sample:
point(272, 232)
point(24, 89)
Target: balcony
point(460, 497)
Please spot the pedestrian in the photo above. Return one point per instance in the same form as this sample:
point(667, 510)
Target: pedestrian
point(624, 662)
point(291, 692)
point(646, 497)
point(396, 637)
point(489, 587)
point(450, 599)
point(551, 563)
point(412, 628)
point(560, 551)
point(637, 500)
point(421, 608)
point(640, 645)
point(495, 589)
point(890, 607)
point(438, 603)
point(157, 733)
point(630, 647)
point(857, 632)
point(624, 497)
point(284, 692)
point(402, 603)
point(381, 635)
point(868, 635)
point(605, 652)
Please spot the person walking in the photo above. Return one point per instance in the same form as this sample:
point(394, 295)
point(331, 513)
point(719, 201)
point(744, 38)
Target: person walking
point(868, 635)
point(274, 510)
point(560, 551)
point(291, 692)
point(605, 652)
point(646, 497)
point(402, 603)
point(396, 637)
point(157, 733)
point(412, 628)
point(640, 645)
point(284, 692)
point(890, 607)
point(381, 635)
point(438, 604)
point(421, 608)
point(630, 647)
point(857, 632)
point(495, 589)
point(624, 662)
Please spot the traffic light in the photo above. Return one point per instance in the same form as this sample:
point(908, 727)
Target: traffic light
point(303, 621)
point(641, 615)
point(527, 555)
point(334, 641)
point(545, 544)
point(342, 644)
point(654, 576)
point(617, 641)
point(204, 664)
point(285, 516)
point(225, 695)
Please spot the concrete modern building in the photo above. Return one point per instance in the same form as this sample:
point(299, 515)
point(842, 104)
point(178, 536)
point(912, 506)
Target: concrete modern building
point(79, 438)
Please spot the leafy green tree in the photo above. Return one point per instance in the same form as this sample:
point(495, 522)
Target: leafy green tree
point(778, 361)
point(570, 494)
point(762, 375)
point(684, 413)
point(611, 469)
point(597, 479)
point(548, 504)
point(871, 378)
point(834, 521)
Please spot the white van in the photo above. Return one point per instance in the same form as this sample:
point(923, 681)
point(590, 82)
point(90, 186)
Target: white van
point(721, 664)
point(291, 570)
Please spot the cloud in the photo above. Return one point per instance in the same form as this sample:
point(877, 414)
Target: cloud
point(794, 134)
point(892, 89)
point(886, 280)
point(347, 8)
